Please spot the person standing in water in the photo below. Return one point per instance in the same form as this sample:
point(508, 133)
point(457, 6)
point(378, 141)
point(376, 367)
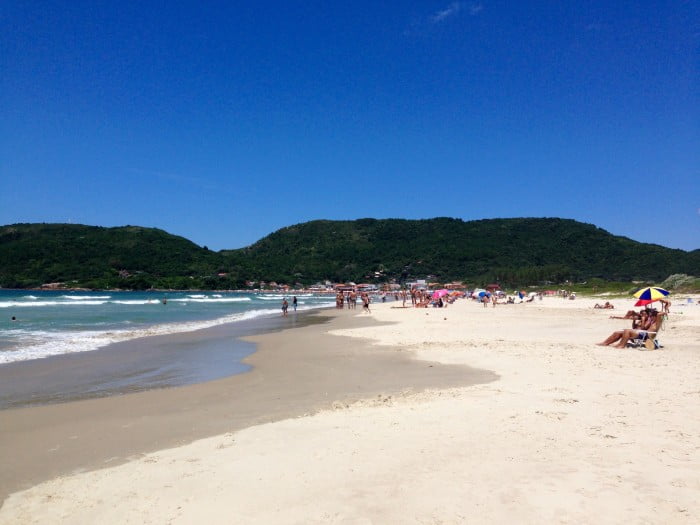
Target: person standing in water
point(294, 303)
point(285, 306)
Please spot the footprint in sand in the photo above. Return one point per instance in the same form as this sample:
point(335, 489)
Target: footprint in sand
point(553, 415)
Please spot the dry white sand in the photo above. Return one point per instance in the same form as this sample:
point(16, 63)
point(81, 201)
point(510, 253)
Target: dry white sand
point(570, 433)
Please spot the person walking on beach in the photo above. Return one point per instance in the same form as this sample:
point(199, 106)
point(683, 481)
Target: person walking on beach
point(365, 302)
point(285, 306)
point(294, 303)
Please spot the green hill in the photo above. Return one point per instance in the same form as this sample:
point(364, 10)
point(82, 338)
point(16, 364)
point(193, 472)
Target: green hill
point(508, 250)
point(512, 251)
point(91, 256)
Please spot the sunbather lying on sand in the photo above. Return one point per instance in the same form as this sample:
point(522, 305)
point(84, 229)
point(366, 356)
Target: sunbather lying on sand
point(606, 306)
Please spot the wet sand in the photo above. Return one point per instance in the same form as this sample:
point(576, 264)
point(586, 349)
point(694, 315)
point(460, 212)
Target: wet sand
point(140, 364)
point(294, 372)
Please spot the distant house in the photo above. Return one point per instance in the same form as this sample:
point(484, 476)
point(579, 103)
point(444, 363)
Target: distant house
point(419, 284)
point(493, 287)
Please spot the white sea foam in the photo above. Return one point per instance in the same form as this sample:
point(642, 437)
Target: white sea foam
point(85, 297)
point(137, 301)
point(41, 344)
point(21, 304)
point(205, 299)
point(279, 297)
point(47, 344)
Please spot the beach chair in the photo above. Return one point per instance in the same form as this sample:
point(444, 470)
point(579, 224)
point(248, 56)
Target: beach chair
point(650, 342)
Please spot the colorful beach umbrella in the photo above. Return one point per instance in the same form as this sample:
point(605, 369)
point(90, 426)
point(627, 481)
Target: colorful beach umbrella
point(649, 295)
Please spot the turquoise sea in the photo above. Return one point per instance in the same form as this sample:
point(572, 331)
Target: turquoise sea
point(70, 345)
point(50, 323)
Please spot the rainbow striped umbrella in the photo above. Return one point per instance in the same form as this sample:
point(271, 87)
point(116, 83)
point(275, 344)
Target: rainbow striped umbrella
point(649, 295)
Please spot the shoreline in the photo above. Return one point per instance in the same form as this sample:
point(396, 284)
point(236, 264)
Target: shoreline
point(140, 364)
point(295, 372)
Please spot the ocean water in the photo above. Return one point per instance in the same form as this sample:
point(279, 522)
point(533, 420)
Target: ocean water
point(53, 323)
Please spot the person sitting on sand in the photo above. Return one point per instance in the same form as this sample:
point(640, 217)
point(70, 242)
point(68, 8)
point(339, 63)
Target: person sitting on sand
point(651, 322)
point(606, 306)
point(642, 319)
point(639, 320)
point(423, 300)
point(631, 314)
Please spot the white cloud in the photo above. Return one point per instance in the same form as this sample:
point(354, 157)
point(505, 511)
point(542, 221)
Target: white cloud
point(475, 9)
point(450, 10)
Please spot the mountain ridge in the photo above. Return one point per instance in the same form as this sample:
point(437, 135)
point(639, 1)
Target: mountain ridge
point(515, 250)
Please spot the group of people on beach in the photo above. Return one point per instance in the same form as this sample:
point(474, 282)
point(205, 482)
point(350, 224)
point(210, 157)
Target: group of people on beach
point(350, 298)
point(285, 305)
point(645, 323)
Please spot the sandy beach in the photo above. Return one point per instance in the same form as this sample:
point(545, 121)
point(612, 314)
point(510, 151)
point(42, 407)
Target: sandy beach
point(457, 415)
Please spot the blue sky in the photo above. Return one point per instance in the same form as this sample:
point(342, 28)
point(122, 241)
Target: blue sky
point(224, 121)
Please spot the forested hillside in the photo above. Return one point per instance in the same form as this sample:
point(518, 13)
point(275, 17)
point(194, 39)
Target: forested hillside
point(95, 257)
point(511, 251)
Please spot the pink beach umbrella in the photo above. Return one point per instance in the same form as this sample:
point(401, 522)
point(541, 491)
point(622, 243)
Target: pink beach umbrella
point(440, 293)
